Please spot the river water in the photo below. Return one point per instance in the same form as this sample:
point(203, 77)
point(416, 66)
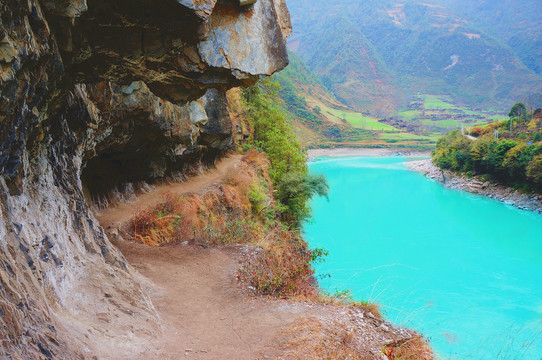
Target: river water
point(464, 270)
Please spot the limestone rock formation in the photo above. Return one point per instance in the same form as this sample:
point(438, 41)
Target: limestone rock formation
point(95, 94)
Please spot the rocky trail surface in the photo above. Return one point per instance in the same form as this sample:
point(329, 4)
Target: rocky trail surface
point(205, 314)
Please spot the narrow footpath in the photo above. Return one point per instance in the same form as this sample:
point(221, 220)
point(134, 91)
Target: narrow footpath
point(120, 214)
point(203, 311)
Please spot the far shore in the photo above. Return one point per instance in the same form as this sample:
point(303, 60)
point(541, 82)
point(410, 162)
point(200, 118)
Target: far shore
point(313, 153)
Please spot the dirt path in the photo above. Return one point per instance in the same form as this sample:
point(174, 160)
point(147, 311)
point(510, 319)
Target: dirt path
point(120, 214)
point(204, 313)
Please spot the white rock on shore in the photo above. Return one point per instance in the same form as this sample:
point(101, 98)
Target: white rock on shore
point(490, 189)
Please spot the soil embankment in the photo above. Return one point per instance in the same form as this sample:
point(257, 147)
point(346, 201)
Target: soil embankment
point(206, 314)
point(474, 185)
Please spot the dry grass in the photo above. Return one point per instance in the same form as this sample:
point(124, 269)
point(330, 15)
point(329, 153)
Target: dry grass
point(311, 339)
point(345, 299)
point(222, 215)
point(373, 308)
point(330, 336)
point(415, 348)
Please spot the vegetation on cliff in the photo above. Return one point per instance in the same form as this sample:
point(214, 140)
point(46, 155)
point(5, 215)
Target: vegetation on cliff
point(272, 135)
point(509, 151)
point(241, 210)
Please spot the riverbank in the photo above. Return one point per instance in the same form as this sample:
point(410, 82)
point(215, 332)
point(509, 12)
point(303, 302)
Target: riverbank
point(313, 153)
point(474, 185)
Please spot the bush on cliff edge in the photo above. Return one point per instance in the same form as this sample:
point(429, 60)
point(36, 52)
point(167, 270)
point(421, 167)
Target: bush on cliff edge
point(272, 135)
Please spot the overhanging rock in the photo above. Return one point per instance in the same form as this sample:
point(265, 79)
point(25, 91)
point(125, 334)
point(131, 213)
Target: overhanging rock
point(97, 83)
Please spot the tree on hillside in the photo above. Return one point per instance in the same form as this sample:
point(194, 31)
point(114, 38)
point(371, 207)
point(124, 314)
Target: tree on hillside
point(518, 111)
point(294, 191)
point(273, 135)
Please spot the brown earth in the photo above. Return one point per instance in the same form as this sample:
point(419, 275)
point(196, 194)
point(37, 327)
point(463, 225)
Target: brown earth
point(206, 314)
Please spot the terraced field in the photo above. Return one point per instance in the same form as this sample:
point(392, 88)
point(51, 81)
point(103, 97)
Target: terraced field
point(319, 119)
point(357, 120)
point(422, 122)
point(438, 113)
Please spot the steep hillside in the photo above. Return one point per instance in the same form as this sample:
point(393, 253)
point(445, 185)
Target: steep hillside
point(297, 77)
point(338, 53)
point(321, 120)
point(384, 50)
point(303, 96)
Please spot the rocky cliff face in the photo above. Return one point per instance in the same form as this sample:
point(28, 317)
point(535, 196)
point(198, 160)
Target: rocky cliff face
point(98, 95)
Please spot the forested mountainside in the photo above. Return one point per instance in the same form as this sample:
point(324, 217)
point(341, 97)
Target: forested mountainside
point(383, 52)
point(520, 29)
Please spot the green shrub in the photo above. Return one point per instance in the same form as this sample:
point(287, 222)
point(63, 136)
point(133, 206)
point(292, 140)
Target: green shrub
point(534, 170)
point(294, 191)
point(273, 136)
point(258, 197)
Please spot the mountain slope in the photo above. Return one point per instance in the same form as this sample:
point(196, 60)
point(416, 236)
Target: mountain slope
point(520, 28)
point(320, 120)
point(348, 65)
point(383, 49)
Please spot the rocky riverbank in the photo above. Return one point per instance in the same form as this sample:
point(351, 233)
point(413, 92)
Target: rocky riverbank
point(474, 185)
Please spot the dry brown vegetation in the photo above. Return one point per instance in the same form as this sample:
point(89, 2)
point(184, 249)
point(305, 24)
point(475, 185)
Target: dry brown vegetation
point(415, 348)
point(240, 210)
point(312, 339)
point(229, 213)
point(343, 335)
point(345, 299)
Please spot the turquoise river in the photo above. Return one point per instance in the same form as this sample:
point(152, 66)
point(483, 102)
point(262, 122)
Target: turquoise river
point(464, 270)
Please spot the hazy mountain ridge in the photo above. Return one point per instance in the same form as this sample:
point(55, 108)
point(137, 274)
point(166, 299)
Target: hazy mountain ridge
point(520, 28)
point(348, 65)
point(384, 50)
